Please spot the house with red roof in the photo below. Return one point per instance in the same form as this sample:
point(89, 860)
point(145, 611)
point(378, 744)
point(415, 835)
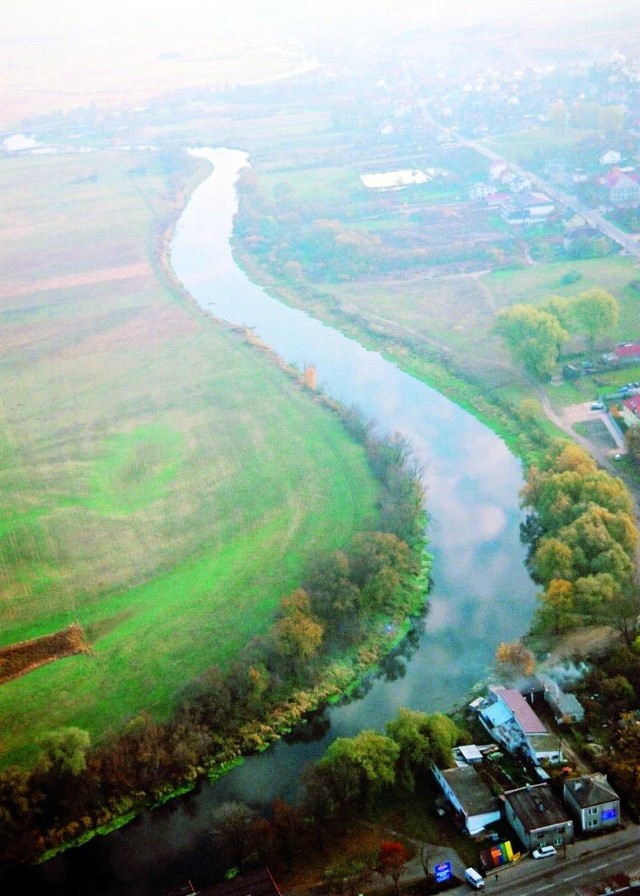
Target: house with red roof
point(511, 721)
point(627, 351)
point(622, 187)
point(630, 410)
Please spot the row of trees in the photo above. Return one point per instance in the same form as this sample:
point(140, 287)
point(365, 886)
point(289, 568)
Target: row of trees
point(313, 650)
point(583, 542)
point(535, 334)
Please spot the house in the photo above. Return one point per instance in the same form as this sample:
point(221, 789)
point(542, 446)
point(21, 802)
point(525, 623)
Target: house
point(592, 802)
point(537, 816)
point(627, 352)
point(481, 191)
point(622, 188)
point(499, 170)
point(472, 800)
point(567, 709)
point(511, 721)
point(610, 157)
point(526, 208)
point(630, 410)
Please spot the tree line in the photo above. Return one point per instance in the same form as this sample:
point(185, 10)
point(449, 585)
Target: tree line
point(326, 632)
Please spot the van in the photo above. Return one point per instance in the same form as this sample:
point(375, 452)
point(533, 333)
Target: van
point(474, 879)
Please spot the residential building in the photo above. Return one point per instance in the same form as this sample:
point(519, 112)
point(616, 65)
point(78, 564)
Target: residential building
point(481, 191)
point(622, 188)
point(610, 157)
point(512, 722)
point(526, 208)
point(627, 352)
point(537, 817)
point(567, 709)
point(630, 410)
point(593, 803)
point(470, 797)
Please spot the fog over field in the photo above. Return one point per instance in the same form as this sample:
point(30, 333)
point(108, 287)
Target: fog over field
point(63, 55)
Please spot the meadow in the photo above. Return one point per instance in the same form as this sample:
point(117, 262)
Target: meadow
point(145, 494)
point(435, 314)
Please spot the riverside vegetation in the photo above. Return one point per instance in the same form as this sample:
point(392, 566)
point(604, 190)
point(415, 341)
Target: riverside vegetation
point(371, 275)
point(127, 520)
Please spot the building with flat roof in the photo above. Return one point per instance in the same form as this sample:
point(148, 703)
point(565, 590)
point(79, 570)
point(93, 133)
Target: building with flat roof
point(537, 817)
point(470, 797)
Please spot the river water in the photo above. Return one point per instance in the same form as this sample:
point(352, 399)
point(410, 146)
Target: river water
point(481, 593)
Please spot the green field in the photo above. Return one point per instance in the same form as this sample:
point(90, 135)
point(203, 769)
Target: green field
point(144, 490)
point(439, 324)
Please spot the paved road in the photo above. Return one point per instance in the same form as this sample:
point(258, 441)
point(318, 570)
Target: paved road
point(591, 216)
point(586, 861)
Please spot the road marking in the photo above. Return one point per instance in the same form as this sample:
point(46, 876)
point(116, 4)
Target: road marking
point(573, 877)
point(598, 867)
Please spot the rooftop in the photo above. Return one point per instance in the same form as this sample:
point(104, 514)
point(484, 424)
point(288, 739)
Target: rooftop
point(591, 790)
point(473, 794)
point(526, 717)
point(536, 807)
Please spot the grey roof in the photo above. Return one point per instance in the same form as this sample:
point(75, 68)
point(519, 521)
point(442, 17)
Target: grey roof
point(567, 704)
point(473, 794)
point(536, 807)
point(590, 790)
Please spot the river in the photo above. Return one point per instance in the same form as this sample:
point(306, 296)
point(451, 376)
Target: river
point(481, 593)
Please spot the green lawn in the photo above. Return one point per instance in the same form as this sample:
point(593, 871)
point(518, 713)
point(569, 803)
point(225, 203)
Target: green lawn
point(144, 489)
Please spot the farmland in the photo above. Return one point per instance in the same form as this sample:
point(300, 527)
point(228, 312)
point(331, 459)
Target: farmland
point(143, 480)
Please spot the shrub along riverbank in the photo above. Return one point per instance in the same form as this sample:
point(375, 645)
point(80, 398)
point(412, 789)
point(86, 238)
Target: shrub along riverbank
point(150, 491)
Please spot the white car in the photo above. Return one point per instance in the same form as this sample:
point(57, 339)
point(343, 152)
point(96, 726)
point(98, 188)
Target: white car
point(542, 852)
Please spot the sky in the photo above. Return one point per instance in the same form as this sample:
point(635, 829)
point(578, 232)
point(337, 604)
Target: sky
point(41, 17)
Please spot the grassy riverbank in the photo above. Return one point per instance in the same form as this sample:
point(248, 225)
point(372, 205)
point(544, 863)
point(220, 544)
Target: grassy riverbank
point(144, 480)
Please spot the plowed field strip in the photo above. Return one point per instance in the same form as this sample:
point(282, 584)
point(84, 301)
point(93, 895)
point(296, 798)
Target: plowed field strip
point(87, 278)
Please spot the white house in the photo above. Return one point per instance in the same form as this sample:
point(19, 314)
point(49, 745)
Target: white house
point(470, 797)
point(610, 157)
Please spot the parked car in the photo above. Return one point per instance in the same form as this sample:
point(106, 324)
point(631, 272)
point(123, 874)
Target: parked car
point(597, 406)
point(474, 879)
point(543, 852)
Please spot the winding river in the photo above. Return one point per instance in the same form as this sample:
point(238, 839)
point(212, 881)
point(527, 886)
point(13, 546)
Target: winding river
point(481, 592)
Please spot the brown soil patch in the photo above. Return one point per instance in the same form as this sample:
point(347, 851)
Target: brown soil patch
point(87, 278)
point(582, 642)
point(18, 659)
